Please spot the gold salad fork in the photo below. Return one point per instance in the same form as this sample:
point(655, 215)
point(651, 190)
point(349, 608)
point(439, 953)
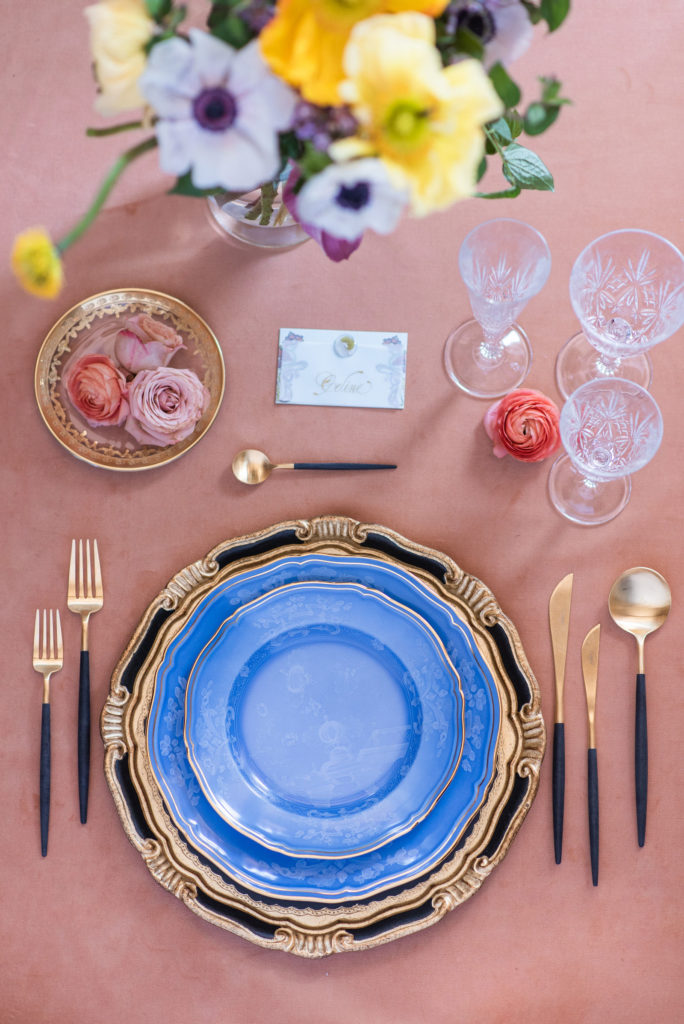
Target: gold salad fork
point(84, 596)
point(48, 655)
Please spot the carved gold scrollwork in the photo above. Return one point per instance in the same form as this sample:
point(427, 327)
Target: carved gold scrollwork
point(479, 598)
point(185, 581)
point(112, 720)
point(165, 873)
point(534, 741)
point(291, 940)
point(461, 888)
point(330, 528)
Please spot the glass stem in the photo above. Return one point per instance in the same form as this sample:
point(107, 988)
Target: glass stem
point(490, 350)
point(608, 366)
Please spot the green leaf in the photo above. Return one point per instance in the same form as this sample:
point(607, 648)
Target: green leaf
point(481, 169)
point(312, 161)
point(290, 146)
point(185, 187)
point(468, 43)
point(539, 117)
point(501, 131)
point(509, 193)
point(533, 12)
point(554, 12)
point(551, 88)
point(158, 9)
point(515, 123)
point(507, 90)
point(229, 28)
point(525, 169)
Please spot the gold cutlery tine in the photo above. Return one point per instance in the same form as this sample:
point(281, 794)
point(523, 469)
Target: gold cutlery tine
point(48, 655)
point(84, 598)
point(559, 622)
point(590, 654)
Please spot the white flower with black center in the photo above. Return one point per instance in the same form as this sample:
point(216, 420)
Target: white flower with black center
point(220, 111)
point(346, 199)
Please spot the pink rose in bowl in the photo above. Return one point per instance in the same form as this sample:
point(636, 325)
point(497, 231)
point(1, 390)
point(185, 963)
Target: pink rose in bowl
point(145, 343)
point(165, 405)
point(524, 424)
point(97, 390)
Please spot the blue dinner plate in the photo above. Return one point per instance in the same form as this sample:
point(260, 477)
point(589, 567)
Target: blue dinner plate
point(304, 878)
point(323, 719)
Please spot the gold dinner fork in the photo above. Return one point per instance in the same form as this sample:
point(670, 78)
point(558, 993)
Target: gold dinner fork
point(84, 596)
point(48, 655)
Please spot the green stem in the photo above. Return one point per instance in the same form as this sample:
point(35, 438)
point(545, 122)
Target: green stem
point(113, 129)
point(494, 141)
point(117, 169)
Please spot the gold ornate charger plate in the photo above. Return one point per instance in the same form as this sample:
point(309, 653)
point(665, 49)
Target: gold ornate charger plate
point(89, 326)
point(315, 928)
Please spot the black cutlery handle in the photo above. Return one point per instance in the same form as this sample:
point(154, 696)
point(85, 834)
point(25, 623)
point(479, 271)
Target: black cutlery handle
point(558, 788)
point(593, 813)
point(44, 778)
point(641, 757)
point(342, 465)
point(84, 735)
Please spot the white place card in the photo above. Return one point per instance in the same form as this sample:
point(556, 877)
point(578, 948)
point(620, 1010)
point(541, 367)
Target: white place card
point(350, 368)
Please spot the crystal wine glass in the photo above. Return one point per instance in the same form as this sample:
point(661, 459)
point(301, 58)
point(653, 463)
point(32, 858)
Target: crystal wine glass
point(609, 427)
point(627, 289)
point(503, 263)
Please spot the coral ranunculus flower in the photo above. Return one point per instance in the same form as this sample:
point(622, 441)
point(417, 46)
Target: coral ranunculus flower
point(423, 120)
point(36, 263)
point(305, 41)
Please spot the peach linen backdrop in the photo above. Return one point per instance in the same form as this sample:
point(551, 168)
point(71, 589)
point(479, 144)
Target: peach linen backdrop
point(87, 935)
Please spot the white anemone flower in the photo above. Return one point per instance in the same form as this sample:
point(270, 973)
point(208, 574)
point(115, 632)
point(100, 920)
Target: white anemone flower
point(220, 111)
point(502, 26)
point(345, 199)
point(513, 32)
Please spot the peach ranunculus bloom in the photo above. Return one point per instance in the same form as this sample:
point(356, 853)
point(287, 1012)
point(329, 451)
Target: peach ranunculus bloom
point(165, 405)
point(145, 343)
point(524, 424)
point(119, 31)
point(97, 390)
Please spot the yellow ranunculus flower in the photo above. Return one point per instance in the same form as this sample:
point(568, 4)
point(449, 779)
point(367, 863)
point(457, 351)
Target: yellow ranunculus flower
point(304, 42)
point(119, 30)
point(423, 120)
point(36, 263)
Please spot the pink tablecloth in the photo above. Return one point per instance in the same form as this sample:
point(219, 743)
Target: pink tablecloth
point(86, 934)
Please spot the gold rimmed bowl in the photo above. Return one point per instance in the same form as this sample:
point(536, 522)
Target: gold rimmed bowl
point(91, 326)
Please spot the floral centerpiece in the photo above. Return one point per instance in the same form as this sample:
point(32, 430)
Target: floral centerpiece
point(364, 109)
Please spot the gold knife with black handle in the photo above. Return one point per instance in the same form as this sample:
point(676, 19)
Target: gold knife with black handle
point(590, 654)
point(559, 621)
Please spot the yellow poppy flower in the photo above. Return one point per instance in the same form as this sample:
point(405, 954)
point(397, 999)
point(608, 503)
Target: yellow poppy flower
point(304, 42)
point(119, 31)
point(423, 120)
point(36, 263)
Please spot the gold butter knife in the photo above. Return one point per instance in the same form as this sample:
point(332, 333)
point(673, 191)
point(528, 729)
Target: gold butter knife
point(559, 621)
point(590, 654)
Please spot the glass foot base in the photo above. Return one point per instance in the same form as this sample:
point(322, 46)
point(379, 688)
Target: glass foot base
point(578, 362)
point(479, 373)
point(227, 217)
point(583, 501)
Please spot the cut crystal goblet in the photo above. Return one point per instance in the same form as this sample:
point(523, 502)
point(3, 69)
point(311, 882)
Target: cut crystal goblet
point(627, 290)
point(610, 428)
point(503, 263)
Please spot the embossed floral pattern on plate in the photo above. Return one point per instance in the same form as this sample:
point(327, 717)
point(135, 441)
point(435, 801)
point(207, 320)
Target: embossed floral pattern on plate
point(324, 719)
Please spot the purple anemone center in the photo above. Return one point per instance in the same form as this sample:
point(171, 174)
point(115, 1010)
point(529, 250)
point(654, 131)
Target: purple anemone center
point(353, 197)
point(476, 19)
point(214, 109)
